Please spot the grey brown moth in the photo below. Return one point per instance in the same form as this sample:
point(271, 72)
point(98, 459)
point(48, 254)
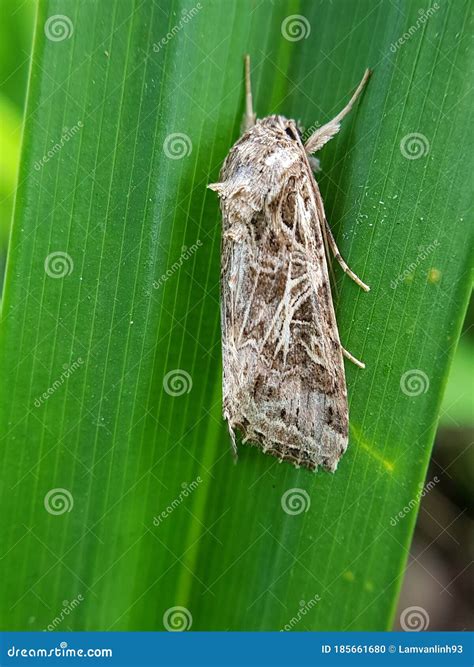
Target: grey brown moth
point(284, 385)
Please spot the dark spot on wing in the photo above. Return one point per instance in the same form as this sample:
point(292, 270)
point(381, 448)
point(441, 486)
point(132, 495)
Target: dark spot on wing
point(305, 312)
point(336, 421)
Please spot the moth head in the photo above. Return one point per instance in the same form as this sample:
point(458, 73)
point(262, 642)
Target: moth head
point(291, 130)
point(285, 129)
point(289, 127)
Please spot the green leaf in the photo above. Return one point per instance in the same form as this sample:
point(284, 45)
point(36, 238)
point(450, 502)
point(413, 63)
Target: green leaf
point(86, 357)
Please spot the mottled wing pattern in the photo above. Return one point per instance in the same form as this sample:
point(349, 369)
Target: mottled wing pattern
point(284, 384)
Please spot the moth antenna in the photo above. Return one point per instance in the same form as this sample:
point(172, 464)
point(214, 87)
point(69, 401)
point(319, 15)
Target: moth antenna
point(326, 132)
point(250, 116)
point(354, 97)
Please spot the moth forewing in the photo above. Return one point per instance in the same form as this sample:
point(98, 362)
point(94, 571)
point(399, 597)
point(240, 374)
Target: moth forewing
point(283, 373)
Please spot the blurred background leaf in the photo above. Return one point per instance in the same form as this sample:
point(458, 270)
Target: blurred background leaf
point(159, 516)
point(16, 27)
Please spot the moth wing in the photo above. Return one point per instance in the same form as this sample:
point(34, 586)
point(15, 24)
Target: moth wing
point(283, 380)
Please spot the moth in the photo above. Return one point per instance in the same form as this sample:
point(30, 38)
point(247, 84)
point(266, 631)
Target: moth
point(284, 384)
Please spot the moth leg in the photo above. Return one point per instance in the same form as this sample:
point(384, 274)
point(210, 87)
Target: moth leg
point(326, 132)
point(250, 116)
point(232, 438)
point(337, 255)
point(330, 241)
point(351, 357)
point(314, 163)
